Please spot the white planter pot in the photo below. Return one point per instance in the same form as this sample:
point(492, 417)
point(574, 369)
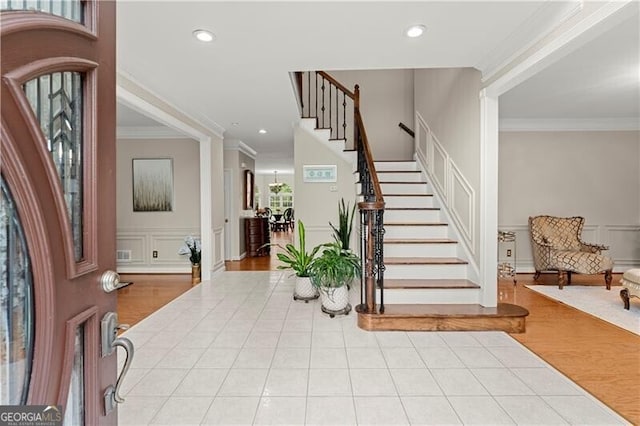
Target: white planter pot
point(335, 300)
point(304, 289)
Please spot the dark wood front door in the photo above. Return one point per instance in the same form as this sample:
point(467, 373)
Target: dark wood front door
point(57, 161)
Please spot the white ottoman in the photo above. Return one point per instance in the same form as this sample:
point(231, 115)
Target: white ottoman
point(631, 283)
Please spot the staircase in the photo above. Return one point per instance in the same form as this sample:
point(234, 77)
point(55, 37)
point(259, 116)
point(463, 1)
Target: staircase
point(423, 281)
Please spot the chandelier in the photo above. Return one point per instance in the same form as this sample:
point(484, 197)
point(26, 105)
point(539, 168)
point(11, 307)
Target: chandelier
point(276, 186)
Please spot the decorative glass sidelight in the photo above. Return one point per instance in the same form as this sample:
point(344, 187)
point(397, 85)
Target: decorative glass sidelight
point(74, 410)
point(16, 305)
point(56, 100)
point(69, 9)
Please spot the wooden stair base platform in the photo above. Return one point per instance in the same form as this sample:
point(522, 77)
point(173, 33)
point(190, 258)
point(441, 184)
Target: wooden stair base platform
point(394, 283)
point(445, 317)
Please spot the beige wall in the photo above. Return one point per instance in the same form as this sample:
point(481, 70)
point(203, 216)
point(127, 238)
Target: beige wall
point(316, 204)
point(386, 99)
point(164, 232)
point(590, 174)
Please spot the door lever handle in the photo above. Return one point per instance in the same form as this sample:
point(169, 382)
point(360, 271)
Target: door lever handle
point(127, 345)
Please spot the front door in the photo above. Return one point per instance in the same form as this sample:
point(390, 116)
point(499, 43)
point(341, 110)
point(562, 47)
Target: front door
point(57, 221)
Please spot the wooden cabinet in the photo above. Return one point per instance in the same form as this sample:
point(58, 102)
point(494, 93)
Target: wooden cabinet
point(256, 234)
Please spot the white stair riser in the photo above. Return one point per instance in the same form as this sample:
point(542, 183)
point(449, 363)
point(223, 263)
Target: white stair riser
point(404, 232)
point(430, 296)
point(395, 165)
point(417, 272)
point(400, 177)
point(404, 188)
point(408, 201)
point(411, 216)
point(420, 250)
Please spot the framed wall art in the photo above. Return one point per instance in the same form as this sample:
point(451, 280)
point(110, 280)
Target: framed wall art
point(152, 184)
point(320, 173)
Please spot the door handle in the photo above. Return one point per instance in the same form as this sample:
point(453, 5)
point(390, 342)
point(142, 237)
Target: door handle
point(110, 281)
point(109, 329)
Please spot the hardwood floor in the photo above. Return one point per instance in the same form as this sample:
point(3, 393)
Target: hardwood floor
point(600, 357)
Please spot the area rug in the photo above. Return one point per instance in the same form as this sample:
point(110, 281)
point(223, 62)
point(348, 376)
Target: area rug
point(597, 301)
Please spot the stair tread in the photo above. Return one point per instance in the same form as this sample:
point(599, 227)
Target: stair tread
point(453, 310)
point(407, 195)
point(415, 224)
point(399, 283)
point(419, 241)
point(397, 171)
point(424, 261)
point(412, 208)
point(393, 182)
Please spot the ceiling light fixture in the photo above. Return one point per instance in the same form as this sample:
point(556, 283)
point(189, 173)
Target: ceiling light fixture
point(415, 31)
point(262, 131)
point(203, 35)
point(276, 186)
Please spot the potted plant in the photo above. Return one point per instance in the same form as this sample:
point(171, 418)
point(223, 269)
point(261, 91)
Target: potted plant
point(193, 249)
point(298, 260)
point(331, 273)
point(342, 233)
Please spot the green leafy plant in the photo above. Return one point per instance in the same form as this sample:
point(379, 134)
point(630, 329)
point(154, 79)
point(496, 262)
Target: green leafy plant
point(297, 258)
point(336, 267)
point(342, 233)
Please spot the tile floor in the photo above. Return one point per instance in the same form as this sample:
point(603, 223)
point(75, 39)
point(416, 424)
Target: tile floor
point(239, 350)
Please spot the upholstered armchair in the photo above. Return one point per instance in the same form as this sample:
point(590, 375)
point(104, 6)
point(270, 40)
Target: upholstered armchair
point(556, 246)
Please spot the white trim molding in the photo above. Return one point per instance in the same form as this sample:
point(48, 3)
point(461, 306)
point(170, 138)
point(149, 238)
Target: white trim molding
point(237, 145)
point(569, 124)
point(148, 132)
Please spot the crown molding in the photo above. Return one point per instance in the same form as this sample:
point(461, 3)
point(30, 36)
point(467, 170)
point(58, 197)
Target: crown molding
point(568, 124)
point(148, 132)
point(539, 25)
point(123, 77)
point(236, 145)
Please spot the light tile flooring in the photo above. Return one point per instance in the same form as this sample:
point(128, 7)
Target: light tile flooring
point(239, 350)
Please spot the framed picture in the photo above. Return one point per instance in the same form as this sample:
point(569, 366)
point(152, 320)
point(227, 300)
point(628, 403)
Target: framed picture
point(320, 173)
point(248, 190)
point(152, 184)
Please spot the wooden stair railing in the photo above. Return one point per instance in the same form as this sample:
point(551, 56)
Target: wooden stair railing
point(324, 98)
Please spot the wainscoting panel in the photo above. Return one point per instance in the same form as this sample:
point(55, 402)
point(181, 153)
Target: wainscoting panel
point(624, 243)
point(462, 202)
point(134, 242)
point(143, 243)
point(623, 240)
point(440, 169)
point(218, 248)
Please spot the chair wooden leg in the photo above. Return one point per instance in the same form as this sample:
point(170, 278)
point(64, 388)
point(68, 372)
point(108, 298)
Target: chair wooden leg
point(536, 275)
point(607, 278)
point(624, 295)
point(568, 277)
point(562, 279)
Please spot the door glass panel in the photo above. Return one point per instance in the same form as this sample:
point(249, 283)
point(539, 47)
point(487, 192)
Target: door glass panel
point(74, 412)
point(56, 100)
point(69, 9)
point(16, 305)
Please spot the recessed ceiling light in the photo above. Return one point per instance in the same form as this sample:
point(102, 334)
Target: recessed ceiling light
point(203, 35)
point(262, 131)
point(235, 123)
point(415, 31)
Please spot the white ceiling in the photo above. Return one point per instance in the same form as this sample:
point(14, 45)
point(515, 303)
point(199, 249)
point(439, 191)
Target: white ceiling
point(243, 76)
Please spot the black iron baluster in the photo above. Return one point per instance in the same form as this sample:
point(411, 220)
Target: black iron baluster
point(344, 116)
point(322, 87)
point(309, 94)
point(317, 99)
point(330, 129)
